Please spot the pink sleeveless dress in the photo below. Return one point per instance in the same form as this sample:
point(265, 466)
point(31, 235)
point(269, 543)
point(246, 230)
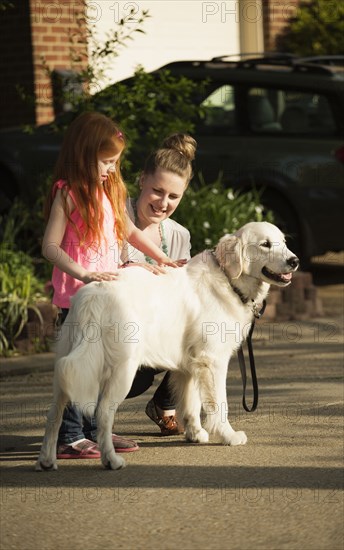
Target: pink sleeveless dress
point(92, 256)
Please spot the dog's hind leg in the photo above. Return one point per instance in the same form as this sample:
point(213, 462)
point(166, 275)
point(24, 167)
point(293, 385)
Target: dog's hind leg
point(189, 404)
point(47, 456)
point(105, 417)
point(114, 392)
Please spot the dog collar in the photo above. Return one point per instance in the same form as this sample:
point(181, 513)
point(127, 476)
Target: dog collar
point(257, 309)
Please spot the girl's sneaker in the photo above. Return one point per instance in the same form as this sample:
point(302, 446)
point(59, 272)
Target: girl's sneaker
point(83, 449)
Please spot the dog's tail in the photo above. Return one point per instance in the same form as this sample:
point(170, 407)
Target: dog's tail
point(79, 371)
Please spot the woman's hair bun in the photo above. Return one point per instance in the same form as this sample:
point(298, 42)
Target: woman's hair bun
point(183, 143)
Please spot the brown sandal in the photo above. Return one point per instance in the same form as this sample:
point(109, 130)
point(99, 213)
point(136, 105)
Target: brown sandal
point(168, 424)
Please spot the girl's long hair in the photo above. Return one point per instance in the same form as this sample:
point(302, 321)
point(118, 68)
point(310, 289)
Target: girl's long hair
point(90, 135)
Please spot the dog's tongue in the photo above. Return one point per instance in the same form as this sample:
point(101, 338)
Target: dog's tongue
point(286, 276)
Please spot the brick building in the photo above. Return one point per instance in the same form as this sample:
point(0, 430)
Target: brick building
point(276, 16)
point(33, 30)
point(30, 31)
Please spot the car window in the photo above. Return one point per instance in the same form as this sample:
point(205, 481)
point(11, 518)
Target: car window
point(289, 112)
point(263, 110)
point(307, 113)
point(219, 110)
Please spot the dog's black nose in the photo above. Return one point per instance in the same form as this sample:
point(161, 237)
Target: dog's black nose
point(294, 262)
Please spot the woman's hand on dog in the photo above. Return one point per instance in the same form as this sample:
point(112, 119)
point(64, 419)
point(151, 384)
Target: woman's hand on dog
point(172, 263)
point(92, 276)
point(157, 269)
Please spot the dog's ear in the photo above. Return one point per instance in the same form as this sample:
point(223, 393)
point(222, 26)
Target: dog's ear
point(229, 255)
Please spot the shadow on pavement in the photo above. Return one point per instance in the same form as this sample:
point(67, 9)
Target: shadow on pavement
point(170, 476)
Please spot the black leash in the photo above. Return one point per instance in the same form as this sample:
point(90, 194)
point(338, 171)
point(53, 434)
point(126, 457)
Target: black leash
point(242, 366)
point(257, 313)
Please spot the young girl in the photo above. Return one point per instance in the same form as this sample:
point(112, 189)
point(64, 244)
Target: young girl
point(87, 223)
point(165, 177)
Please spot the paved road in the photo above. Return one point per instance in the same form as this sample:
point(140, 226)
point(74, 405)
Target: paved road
point(283, 490)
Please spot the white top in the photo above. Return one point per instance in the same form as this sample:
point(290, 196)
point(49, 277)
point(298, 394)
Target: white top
point(177, 240)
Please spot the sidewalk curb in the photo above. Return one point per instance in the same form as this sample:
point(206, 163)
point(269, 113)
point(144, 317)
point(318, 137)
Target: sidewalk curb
point(26, 364)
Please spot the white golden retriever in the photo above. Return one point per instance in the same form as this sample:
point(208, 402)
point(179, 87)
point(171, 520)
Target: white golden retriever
point(189, 321)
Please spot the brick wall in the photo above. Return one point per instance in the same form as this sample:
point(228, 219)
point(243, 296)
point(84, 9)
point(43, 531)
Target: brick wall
point(56, 27)
point(31, 31)
point(276, 16)
point(299, 301)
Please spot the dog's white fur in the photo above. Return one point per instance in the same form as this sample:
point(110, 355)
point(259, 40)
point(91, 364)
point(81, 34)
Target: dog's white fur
point(189, 321)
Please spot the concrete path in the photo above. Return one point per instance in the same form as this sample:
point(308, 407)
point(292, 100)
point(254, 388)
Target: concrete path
point(283, 490)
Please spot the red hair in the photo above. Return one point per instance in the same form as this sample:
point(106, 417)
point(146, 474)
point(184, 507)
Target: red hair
point(90, 135)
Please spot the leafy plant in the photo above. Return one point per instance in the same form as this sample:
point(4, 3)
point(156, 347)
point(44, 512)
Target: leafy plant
point(19, 290)
point(20, 230)
point(210, 211)
point(316, 29)
point(102, 51)
point(19, 286)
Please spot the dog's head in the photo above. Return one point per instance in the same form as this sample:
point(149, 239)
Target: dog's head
point(259, 250)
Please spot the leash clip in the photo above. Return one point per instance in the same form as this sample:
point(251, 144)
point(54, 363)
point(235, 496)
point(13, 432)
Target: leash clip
point(258, 309)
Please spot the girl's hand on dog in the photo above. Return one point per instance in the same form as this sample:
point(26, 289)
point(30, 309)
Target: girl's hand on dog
point(157, 269)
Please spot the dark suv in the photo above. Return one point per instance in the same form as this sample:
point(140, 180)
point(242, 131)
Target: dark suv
point(275, 123)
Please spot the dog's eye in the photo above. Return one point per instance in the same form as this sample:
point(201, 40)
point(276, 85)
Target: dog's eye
point(266, 244)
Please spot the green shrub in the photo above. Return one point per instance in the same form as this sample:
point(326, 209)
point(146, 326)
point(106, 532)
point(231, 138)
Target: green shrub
point(19, 286)
point(19, 290)
point(316, 29)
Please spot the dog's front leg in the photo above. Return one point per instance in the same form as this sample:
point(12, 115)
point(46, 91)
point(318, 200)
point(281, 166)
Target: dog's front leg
point(217, 415)
point(189, 407)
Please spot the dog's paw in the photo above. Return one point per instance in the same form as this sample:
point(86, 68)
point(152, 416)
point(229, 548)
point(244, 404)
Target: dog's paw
point(197, 436)
point(115, 462)
point(236, 438)
point(45, 466)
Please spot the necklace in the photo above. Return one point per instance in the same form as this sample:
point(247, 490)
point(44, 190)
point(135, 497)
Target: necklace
point(161, 233)
point(163, 243)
